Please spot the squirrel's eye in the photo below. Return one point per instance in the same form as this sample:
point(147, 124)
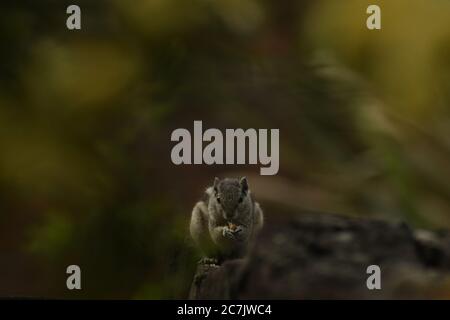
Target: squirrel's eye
point(218, 199)
point(240, 200)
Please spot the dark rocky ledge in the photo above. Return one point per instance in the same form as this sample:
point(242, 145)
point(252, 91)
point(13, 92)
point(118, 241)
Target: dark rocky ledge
point(323, 256)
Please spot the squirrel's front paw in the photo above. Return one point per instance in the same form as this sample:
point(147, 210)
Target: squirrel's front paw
point(228, 233)
point(238, 229)
point(208, 261)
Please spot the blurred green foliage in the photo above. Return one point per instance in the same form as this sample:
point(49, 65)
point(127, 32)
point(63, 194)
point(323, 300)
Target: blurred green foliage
point(86, 116)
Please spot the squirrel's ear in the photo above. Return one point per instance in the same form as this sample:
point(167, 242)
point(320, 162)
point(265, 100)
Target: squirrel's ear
point(216, 182)
point(244, 184)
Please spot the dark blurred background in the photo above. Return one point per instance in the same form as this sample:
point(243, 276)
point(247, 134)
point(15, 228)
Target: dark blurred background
point(86, 117)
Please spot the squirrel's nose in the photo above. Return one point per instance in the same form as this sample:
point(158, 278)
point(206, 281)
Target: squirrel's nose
point(232, 215)
point(229, 216)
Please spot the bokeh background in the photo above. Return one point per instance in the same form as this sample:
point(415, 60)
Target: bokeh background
point(86, 118)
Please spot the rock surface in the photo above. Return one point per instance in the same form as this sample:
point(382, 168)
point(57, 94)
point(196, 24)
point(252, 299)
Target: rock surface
point(324, 256)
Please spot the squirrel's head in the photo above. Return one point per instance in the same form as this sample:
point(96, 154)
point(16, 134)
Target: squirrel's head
point(231, 196)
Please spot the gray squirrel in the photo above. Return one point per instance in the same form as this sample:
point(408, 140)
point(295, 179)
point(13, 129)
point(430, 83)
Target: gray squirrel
point(226, 220)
